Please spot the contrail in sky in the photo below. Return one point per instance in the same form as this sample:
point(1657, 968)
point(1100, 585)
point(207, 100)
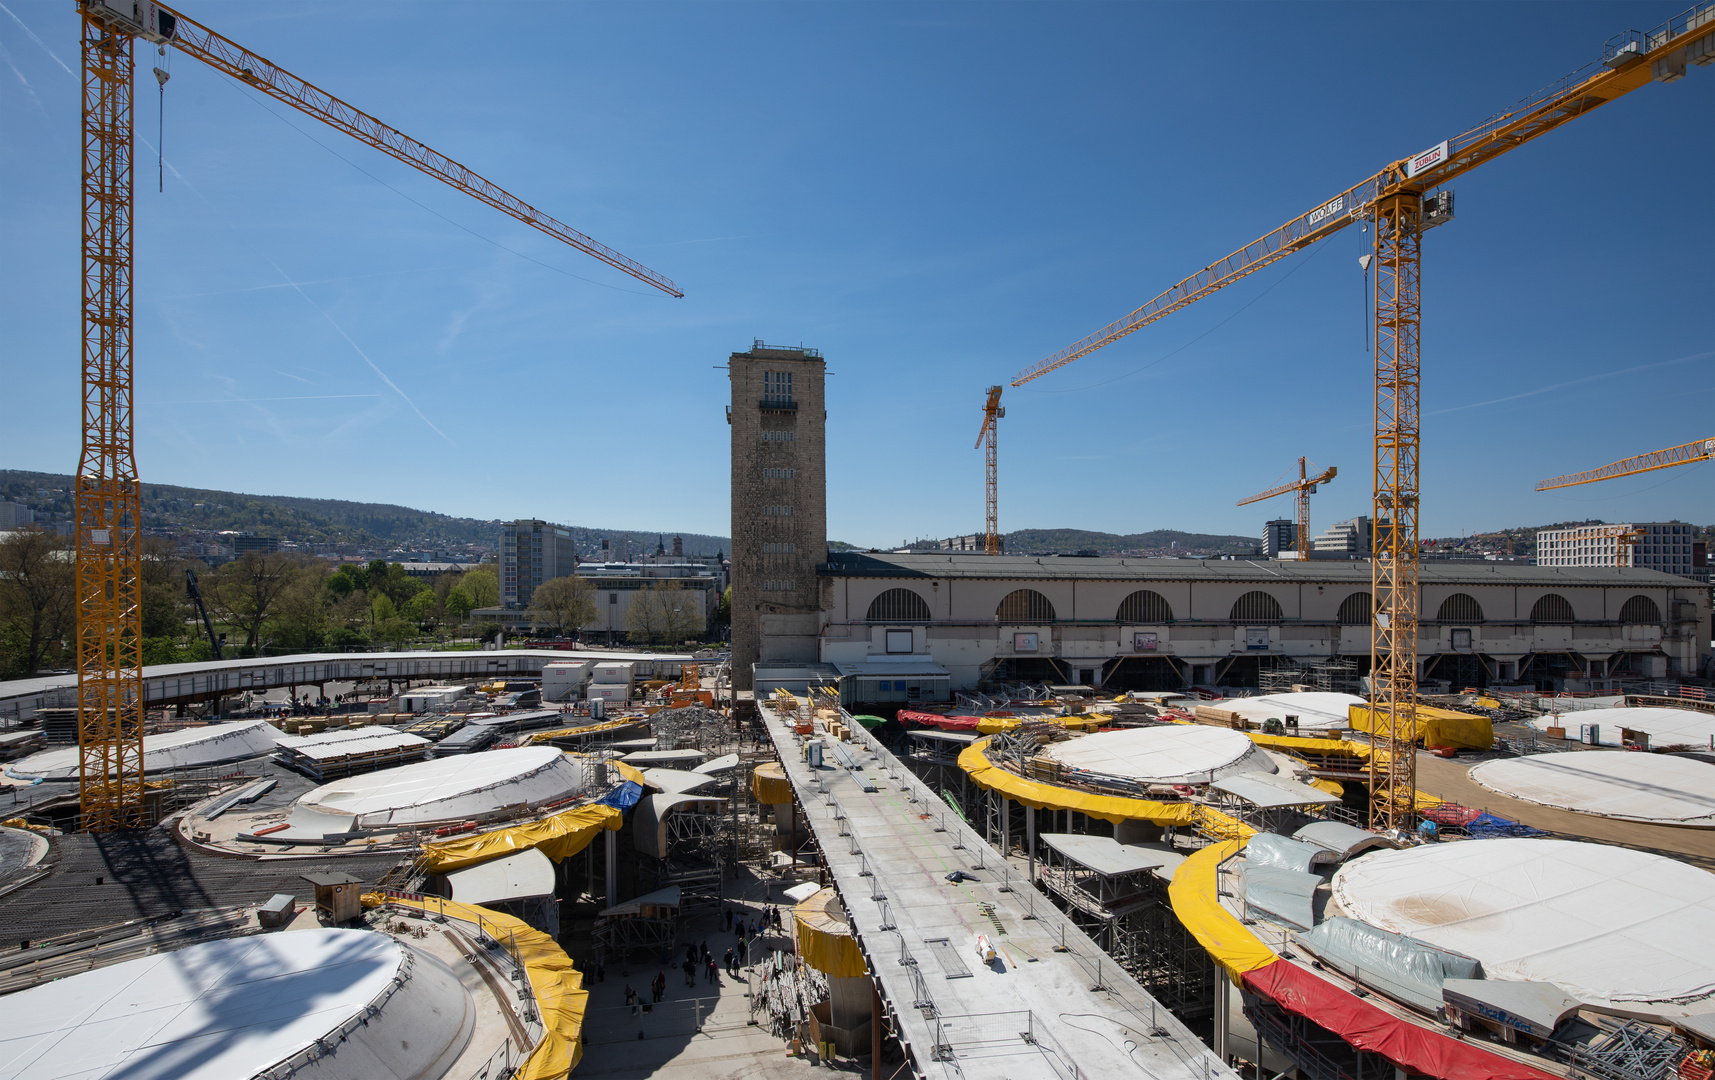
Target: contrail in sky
point(1573, 382)
point(38, 41)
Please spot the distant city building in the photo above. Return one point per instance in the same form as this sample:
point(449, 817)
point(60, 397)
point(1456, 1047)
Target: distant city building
point(1666, 546)
point(1279, 536)
point(243, 545)
point(970, 542)
point(1345, 539)
point(15, 516)
point(532, 552)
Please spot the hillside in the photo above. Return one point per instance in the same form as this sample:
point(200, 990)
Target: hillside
point(315, 521)
point(1155, 542)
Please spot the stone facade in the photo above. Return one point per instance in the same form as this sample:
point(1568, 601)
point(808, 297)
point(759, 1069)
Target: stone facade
point(779, 505)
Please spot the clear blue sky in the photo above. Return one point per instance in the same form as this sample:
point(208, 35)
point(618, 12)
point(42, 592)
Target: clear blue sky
point(934, 195)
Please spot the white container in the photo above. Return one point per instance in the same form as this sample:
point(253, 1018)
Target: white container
point(610, 692)
point(614, 672)
point(562, 679)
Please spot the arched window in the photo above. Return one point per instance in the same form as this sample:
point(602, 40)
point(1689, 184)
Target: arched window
point(1257, 607)
point(1460, 607)
point(1025, 606)
point(1357, 609)
point(1551, 608)
point(1145, 608)
point(898, 605)
point(1640, 609)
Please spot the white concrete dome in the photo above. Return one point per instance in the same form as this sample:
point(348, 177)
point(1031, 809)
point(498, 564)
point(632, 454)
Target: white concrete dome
point(1316, 710)
point(1658, 788)
point(1666, 727)
point(369, 1006)
point(1171, 754)
point(446, 789)
point(186, 749)
point(1609, 925)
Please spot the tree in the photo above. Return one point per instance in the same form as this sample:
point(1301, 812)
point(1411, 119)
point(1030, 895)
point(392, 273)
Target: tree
point(483, 586)
point(664, 611)
point(37, 599)
point(459, 603)
point(300, 618)
point(389, 626)
point(246, 590)
point(566, 603)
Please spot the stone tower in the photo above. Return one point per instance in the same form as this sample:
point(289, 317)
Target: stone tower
point(779, 505)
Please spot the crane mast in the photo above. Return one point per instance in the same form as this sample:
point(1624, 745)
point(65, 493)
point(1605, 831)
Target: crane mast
point(987, 440)
point(1304, 487)
point(107, 497)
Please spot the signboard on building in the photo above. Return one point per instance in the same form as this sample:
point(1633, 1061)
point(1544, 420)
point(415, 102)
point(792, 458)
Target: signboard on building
point(1024, 643)
point(1144, 642)
point(1256, 638)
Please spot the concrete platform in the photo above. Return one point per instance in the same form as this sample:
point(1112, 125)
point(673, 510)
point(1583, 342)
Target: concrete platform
point(1033, 1012)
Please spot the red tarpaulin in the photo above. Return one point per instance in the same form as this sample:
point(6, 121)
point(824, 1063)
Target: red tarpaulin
point(1369, 1028)
point(945, 723)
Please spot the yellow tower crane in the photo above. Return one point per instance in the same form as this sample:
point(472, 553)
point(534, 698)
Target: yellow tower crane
point(1305, 486)
point(988, 437)
point(1400, 203)
point(1685, 454)
point(108, 508)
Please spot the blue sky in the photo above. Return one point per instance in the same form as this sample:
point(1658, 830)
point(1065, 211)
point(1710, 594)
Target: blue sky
point(936, 196)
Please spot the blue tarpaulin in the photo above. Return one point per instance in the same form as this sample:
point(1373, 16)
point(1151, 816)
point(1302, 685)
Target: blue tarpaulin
point(623, 797)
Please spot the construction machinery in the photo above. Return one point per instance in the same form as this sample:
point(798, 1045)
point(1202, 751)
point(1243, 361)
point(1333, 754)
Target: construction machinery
point(1305, 486)
point(195, 595)
point(1398, 204)
point(107, 502)
point(1686, 454)
point(987, 438)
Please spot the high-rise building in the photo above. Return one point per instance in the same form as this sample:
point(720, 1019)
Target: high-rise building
point(15, 515)
point(532, 552)
point(779, 505)
point(1345, 539)
point(1666, 546)
point(1278, 536)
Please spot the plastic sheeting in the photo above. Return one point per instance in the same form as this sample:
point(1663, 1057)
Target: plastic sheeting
point(451, 789)
point(1112, 808)
point(1175, 754)
point(1633, 787)
point(558, 986)
point(184, 749)
point(825, 939)
point(632, 774)
point(1435, 727)
point(769, 784)
point(1366, 1027)
point(1198, 907)
point(1401, 967)
point(1286, 896)
point(623, 797)
point(556, 837)
point(1342, 839)
point(1273, 850)
point(1608, 924)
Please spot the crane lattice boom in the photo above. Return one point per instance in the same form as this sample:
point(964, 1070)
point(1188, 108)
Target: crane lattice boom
point(1304, 486)
point(1687, 454)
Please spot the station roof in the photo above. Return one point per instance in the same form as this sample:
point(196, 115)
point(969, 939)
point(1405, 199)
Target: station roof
point(1268, 790)
point(1355, 572)
point(1174, 754)
point(1666, 727)
point(513, 877)
point(184, 749)
point(1660, 788)
point(1110, 858)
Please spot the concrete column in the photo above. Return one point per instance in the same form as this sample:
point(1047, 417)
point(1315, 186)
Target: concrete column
point(875, 1031)
point(1223, 1003)
point(1005, 826)
point(612, 867)
point(1030, 840)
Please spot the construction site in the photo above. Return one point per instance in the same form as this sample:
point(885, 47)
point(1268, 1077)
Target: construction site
point(954, 814)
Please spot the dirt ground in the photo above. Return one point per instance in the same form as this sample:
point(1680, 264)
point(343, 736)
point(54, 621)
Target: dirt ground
point(1447, 779)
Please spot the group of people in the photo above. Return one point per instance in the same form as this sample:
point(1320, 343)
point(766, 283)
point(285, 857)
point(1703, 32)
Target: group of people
point(699, 956)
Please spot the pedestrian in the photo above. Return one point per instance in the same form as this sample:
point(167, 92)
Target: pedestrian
point(690, 972)
point(631, 999)
point(727, 961)
point(713, 970)
point(690, 954)
point(600, 971)
point(743, 951)
point(705, 951)
point(729, 920)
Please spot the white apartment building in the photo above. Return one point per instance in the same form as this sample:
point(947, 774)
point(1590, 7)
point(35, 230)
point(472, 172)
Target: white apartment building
point(1666, 546)
point(1348, 539)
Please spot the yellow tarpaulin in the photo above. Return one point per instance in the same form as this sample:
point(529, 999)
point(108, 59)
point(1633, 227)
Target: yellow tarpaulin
point(769, 784)
point(587, 729)
point(632, 773)
point(1435, 727)
point(1112, 808)
point(558, 986)
point(1193, 894)
point(557, 837)
point(825, 940)
point(1326, 747)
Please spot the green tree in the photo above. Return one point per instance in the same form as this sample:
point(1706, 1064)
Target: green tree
point(483, 586)
point(301, 619)
point(459, 603)
point(387, 623)
point(247, 590)
point(664, 611)
point(420, 609)
point(565, 603)
point(37, 599)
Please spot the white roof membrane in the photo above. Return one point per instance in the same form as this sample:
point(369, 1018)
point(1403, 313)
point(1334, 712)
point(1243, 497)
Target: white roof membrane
point(511, 877)
point(1666, 727)
point(1173, 754)
point(185, 749)
point(1316, 710)
point(1656, 788)
point(1610, 925)
point(448, 789)
point(235, 1008)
